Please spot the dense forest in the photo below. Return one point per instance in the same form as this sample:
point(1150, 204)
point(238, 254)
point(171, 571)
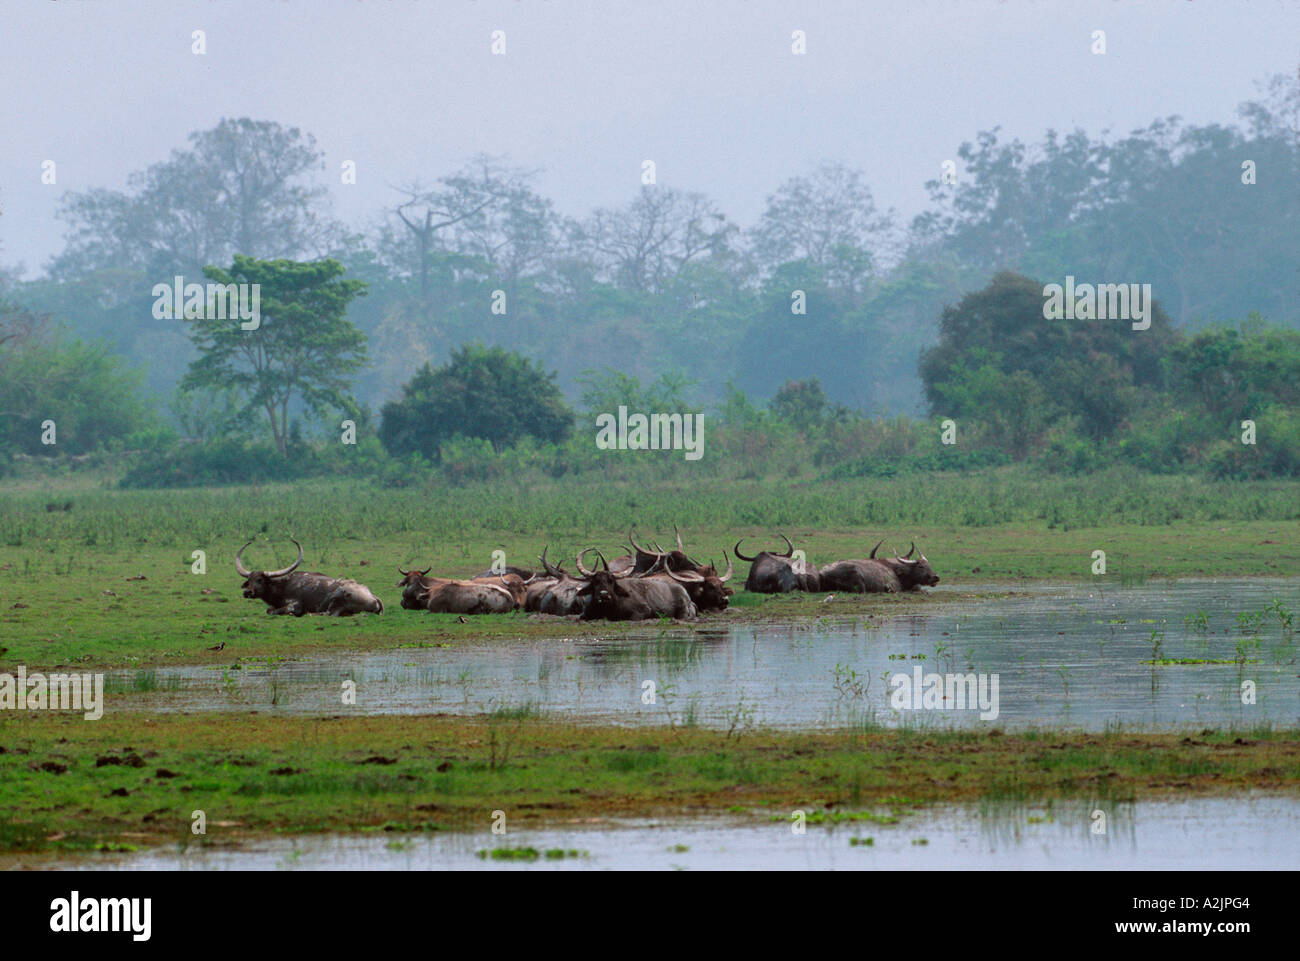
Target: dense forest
point(471, 325)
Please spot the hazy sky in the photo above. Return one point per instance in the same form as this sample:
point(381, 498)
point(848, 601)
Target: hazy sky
point(588, 90)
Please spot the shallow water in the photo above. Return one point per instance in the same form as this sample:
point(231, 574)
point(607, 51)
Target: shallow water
point(1067, 655)
point(1259, 833)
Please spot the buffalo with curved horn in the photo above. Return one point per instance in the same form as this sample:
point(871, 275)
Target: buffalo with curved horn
point(880, 575)
point(629, 597)
point(291, 591)
point(645, 558)
point(707, 588)
point(773, 573)
point(554, 591)
point(443, 595)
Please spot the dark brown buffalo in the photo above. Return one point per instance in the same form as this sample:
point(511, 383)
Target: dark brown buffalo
point(442, 595)
point(874, 575)
point(291, 591)
point(554, 591)
point(626, 597)
point(773, 573)
point(707, 588)
point(645, 559)
point(702, 582)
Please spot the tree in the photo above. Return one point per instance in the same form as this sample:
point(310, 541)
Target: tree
point(647, 244)
point(999, 360)
point(781, 344)
point(464, 198)
point(304, 346)
point(828, 219)
point(241, 188)
point(482, 392)
point(803, 403)
point(1228, 374)
point(93, 399)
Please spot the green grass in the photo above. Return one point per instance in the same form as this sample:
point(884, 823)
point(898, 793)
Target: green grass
point(252, 774)
point(68, 594)
point(328, 512)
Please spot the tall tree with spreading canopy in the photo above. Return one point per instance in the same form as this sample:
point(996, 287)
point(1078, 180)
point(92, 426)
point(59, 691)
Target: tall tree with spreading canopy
point(304, 346)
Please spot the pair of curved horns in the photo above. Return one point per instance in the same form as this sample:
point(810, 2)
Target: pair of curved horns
point(423, 573)
point(243, 571)
point(551, 569)
point(583, 553)
point(910, 552)
point(695, 577)
point(658, 549)
point(789, 550)
point(660, 563)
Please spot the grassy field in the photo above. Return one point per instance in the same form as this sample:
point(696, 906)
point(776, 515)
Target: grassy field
point(95, 578)
point(70, 558)
point(130, 779)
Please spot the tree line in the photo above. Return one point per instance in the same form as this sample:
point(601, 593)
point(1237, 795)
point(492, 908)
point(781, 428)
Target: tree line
point(825, 289)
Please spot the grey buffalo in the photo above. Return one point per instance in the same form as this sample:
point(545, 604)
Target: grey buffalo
point(628, 597)
point(873, 575)
point(773, 573)
point(554, 591)
point(442, 595)
point(291, 591)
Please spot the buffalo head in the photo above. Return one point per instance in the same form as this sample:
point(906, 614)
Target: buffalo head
point(260, 584)
point(707, 588)
point(912, 573)
point(415, 589)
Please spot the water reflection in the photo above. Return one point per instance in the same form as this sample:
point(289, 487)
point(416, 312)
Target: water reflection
point(1200, 833)
point(1184, 654)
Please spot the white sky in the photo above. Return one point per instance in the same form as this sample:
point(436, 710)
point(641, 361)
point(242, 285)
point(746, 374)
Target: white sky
point(587, 90)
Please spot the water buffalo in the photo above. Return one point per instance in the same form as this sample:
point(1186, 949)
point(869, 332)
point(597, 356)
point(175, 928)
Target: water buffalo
point(625, 597)
point(702, 582)
point(707, 588)
point(443, 595)
point(772, 573)
point(888, 575)
point(291, 591)
point(554, 591)
point(675, 560)
point(516, 585)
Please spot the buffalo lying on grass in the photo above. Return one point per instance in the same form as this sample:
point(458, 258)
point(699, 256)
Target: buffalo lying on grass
point(874, 575)
point(627, 597)
point(291, 591)
point(773, 573)
point(442, 595)
point(554, 591)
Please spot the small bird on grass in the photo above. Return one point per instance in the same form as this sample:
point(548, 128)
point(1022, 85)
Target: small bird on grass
point(828, 598)
point(219, 647)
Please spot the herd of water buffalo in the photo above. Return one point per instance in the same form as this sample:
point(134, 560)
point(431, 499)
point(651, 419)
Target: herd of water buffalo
point(644, 583)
